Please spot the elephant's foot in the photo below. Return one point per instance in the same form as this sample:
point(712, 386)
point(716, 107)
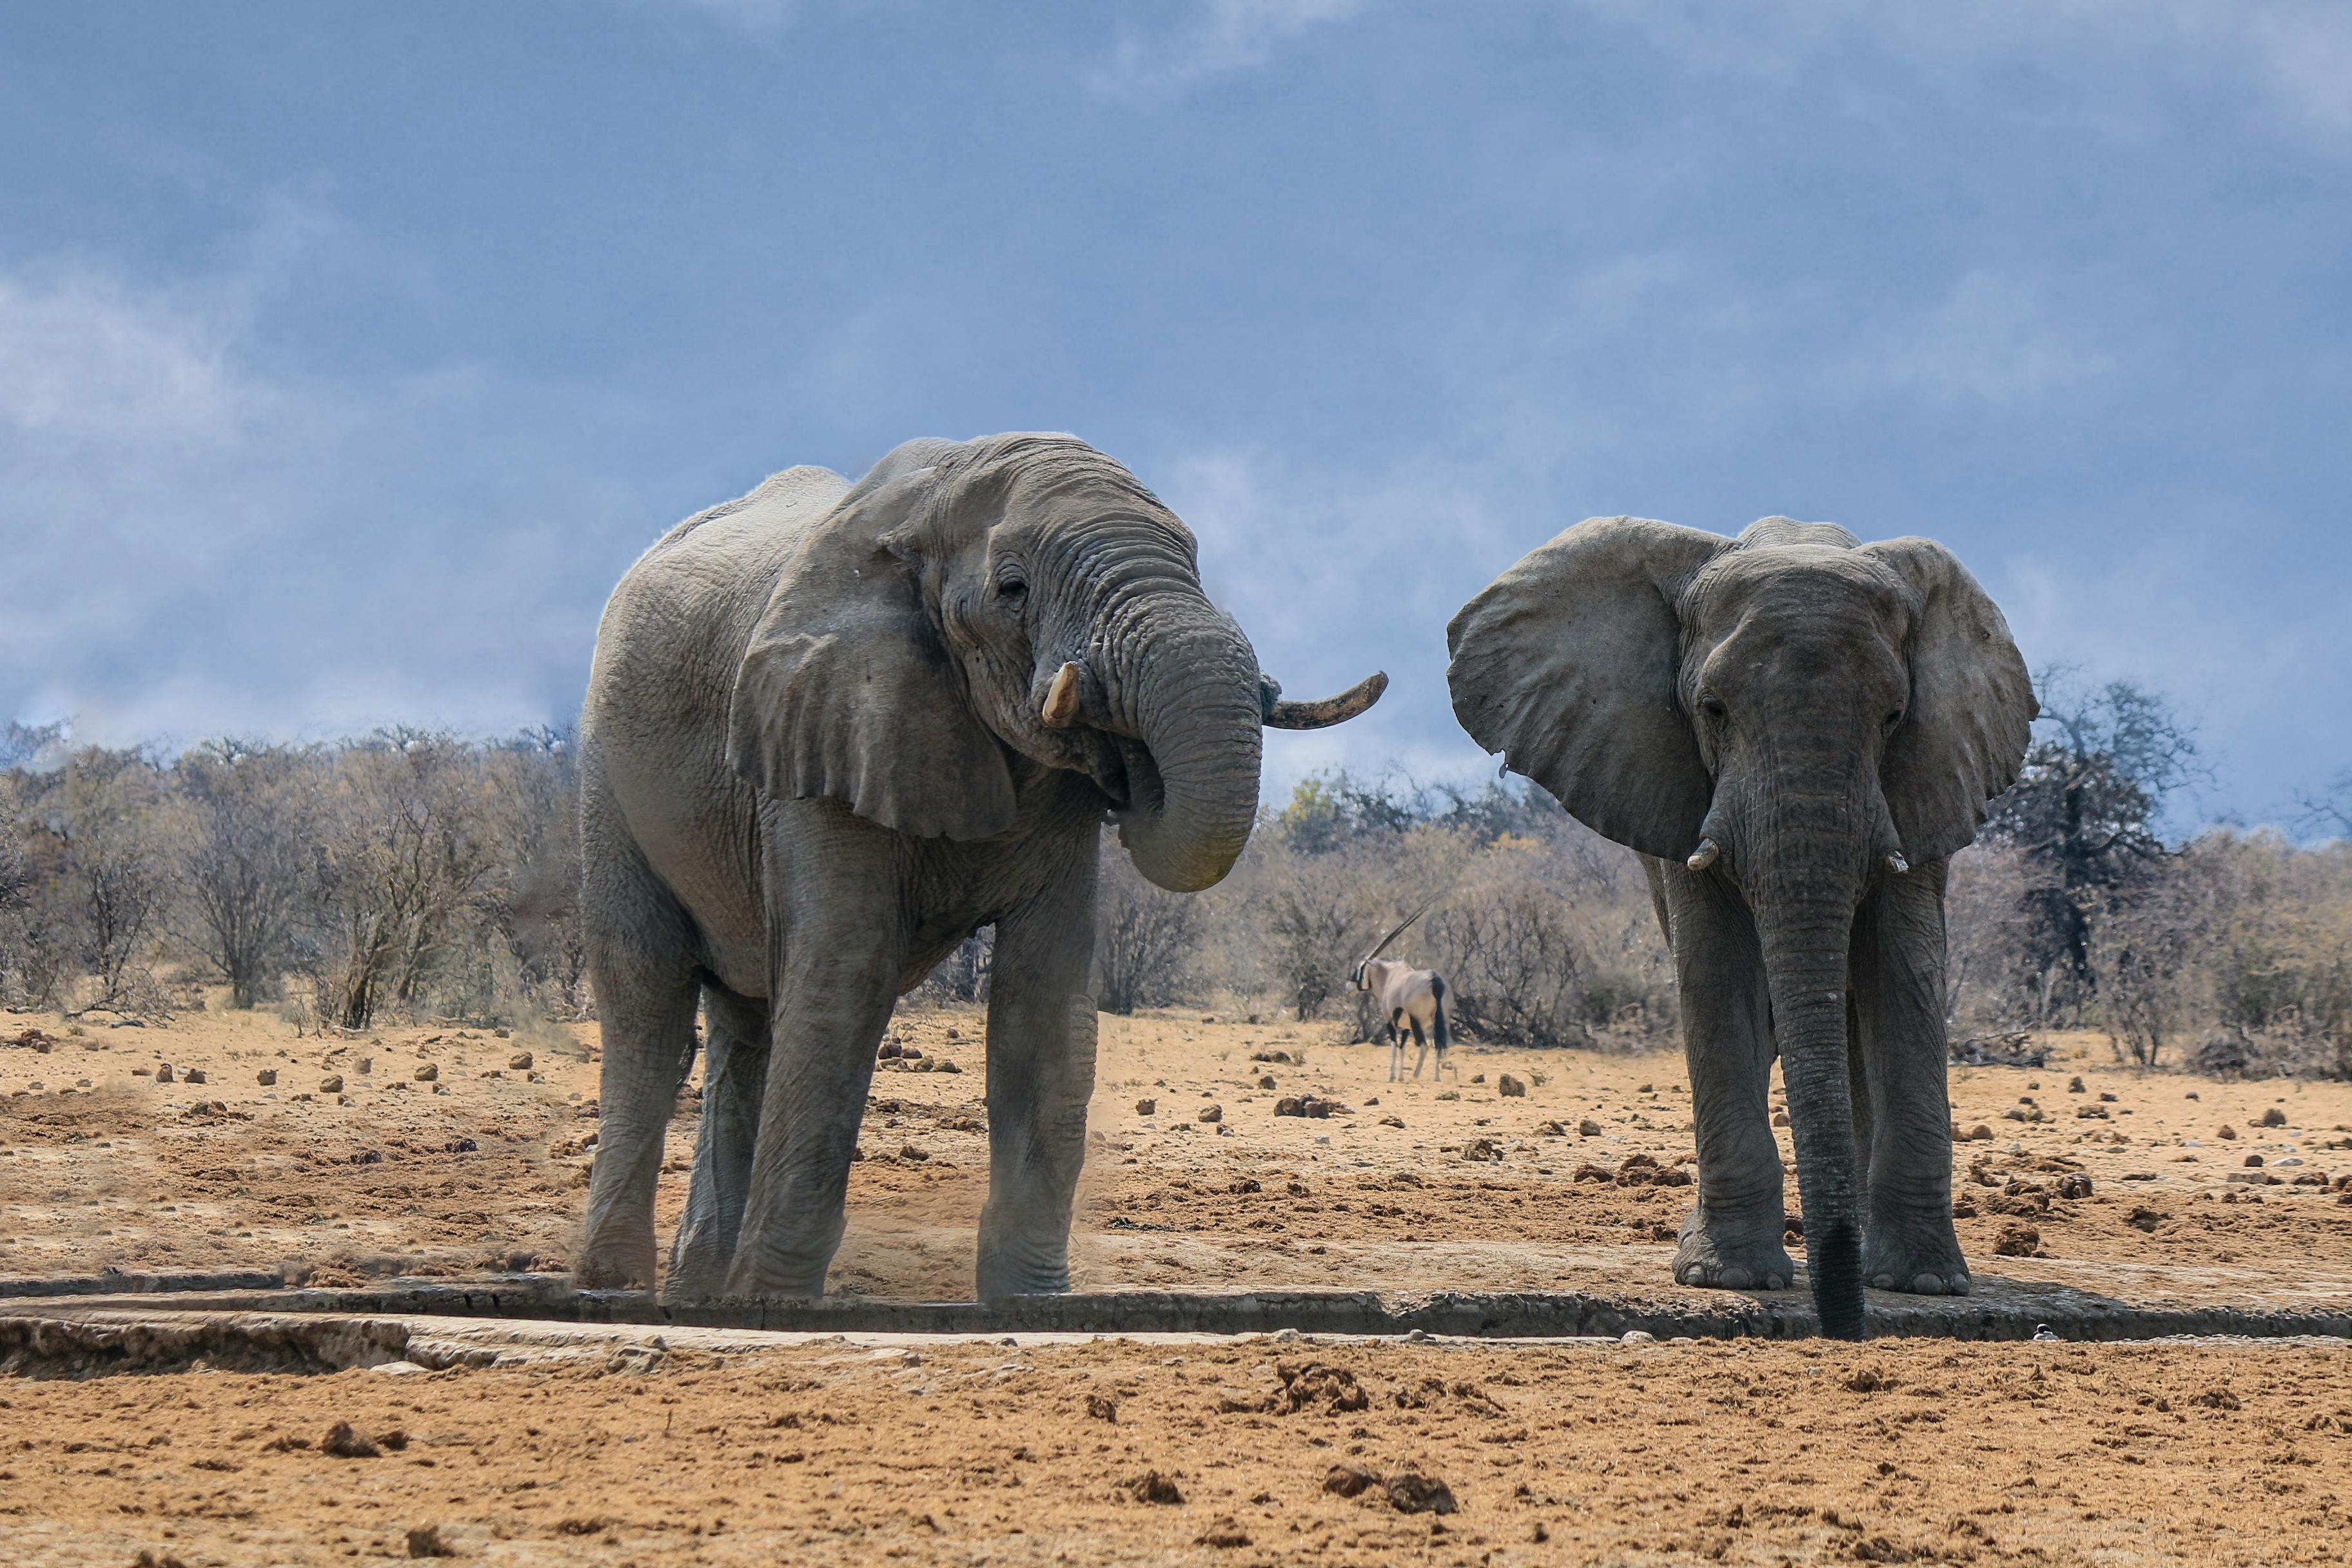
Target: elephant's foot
point(695, 1275)
point(622, 1266)
point(1012, 1268)
point(772, 1285)
point(1919, 1259)
point(1718, 1255)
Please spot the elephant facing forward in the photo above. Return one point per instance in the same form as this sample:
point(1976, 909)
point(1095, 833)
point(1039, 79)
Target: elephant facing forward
point(831, 730)
point(1794, 730)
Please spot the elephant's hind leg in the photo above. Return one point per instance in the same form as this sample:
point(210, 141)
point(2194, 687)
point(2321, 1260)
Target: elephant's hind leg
point(640, 960)
point(735, 1075)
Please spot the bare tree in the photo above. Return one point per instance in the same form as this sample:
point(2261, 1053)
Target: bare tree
point(1146, 938)
point(2085, 813)
point(2328, 812)
point(247, 853)
point(102, 852)
point(406, 856)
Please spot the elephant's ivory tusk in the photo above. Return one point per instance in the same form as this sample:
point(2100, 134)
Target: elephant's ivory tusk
point(1283, 715)
point(1061, 709)
point(1705, 855)
point(1896, 864)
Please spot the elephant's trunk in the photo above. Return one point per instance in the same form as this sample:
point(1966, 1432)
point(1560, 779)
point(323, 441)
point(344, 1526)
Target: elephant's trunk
point(1804, 875)
point(1190, 693)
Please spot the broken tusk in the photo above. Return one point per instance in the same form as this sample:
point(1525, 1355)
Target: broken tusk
point(1896, 864)
point(1281, 714)
point(1060, 707)
point(1705, 855)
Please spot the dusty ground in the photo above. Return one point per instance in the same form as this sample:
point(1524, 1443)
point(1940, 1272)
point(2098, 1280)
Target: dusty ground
point(483, 1166)
point(1752, 1452)
point(1747, 1452)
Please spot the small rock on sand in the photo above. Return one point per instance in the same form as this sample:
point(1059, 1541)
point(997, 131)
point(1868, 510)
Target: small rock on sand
point(1146, 1108)
point(194, 1074)
point(1510, 1088)
point(428, 1073)
point(1213, 1113)
point(424, 1541)
point(1153, 1487)
point(1103, 1407)
point(346, 1441)
point(1409, 1491)
point(267, 1077)
point(521, 1061)
point(1348, 1481)
point(331, 1084)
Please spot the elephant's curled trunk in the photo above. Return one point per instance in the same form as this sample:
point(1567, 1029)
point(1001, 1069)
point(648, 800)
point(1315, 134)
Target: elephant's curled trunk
point(1193, 698)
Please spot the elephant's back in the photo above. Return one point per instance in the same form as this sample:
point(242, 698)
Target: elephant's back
point(687, 607)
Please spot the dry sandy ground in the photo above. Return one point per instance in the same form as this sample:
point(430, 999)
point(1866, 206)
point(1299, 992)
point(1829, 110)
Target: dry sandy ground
point(1747, 1452)
point(1743, 1453)
point(485, 1165)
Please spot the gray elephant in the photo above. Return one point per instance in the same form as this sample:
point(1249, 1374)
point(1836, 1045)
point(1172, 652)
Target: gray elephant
point(831, 730)
point(1794, 730)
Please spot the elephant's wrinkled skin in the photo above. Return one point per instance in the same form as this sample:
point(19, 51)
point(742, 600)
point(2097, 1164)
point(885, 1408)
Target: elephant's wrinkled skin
point(831, 730)
point(1795, 730)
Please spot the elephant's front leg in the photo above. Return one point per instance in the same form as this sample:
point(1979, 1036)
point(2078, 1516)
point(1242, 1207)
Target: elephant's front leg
point(1908, 1242)
point(1732, 1239)
point(1041, 1076)
point(833, 987)
point(734, 1077)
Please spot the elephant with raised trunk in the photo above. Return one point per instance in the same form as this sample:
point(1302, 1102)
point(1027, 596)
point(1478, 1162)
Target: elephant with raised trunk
point(1794, 730)
point(831, 730)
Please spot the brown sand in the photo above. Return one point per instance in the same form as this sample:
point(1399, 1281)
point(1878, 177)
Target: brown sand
point(129, 1175)
point(1743, 1453)
point(1752, 1452)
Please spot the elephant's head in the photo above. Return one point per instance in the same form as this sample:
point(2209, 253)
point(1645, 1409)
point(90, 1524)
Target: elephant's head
point(969, 613)
point(1792, 710)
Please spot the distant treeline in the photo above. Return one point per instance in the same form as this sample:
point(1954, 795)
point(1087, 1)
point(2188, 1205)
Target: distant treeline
point(421, 874)
point(407, 874)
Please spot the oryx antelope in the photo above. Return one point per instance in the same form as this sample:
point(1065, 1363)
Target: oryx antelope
point(1407, 996)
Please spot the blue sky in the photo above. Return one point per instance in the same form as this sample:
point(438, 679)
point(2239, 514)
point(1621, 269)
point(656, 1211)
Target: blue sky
point(347, 356)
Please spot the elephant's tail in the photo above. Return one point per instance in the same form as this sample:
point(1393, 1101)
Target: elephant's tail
point(1437, 1004)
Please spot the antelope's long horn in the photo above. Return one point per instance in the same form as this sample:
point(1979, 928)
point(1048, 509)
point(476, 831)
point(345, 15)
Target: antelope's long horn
point(1285, 715)
point(1394, 932)
point(1060, 709)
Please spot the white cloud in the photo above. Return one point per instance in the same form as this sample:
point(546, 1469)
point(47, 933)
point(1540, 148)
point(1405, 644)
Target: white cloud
point(1223, 36)
point(84, 357)
point(199, 544)
point(2295, 55)
point(1991, 340)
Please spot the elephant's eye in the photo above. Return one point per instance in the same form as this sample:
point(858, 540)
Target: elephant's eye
point(1013, 589)
point(1893, 719)
point(1712, 706)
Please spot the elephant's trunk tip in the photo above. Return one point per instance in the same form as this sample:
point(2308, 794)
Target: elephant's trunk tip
point(1835, 1259)
point(1706, 854)
point(1896, 863)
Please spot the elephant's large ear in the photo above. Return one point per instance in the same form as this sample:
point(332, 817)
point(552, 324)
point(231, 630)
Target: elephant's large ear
point(1973, 706)
point(1568, 664)
point(846, 690)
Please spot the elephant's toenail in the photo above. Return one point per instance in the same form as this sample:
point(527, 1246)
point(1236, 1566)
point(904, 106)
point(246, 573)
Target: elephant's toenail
point(1737, 1279)
point(1774, 1282)
point(1882, 1281)
point(1928, 1285)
